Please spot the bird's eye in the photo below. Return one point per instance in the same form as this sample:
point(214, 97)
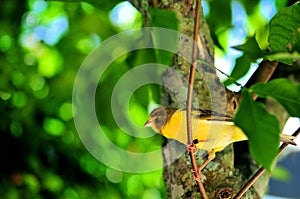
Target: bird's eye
point(157, 120)
point(158, 117)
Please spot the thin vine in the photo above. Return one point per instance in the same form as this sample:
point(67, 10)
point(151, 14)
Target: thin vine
point(190, 144)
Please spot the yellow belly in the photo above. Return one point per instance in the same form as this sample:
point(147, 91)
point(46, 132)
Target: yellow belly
point(210, 135)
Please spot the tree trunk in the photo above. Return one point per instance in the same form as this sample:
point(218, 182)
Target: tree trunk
point(226, 174)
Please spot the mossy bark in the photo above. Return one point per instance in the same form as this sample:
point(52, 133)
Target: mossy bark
point(221, 177)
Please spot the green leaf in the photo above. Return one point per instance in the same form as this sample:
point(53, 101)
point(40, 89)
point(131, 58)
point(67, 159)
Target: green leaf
point(261, 128)
point(219, 10)
point(251, 49)
point(163, 18)
point(286, 92)
point(283, 55)
point(104, 5)
point(297, 44)
point(283, 30)
point(242, 66)
point(250, 6)
point(281, 3)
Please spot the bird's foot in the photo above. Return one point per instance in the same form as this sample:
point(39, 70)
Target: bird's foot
point(192, 148)
point(196, 174)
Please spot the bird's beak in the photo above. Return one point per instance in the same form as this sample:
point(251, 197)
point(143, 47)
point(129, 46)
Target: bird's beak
point(148, 123)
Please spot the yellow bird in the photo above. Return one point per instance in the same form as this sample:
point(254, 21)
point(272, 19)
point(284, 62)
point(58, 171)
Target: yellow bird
point(211, 131)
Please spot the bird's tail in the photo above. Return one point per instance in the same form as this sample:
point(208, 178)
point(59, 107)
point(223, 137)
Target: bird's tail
point(288, 139)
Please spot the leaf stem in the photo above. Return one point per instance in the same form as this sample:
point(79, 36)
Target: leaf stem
point(216, 68)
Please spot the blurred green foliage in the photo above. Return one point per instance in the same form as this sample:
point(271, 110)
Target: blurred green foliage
point(42, 45)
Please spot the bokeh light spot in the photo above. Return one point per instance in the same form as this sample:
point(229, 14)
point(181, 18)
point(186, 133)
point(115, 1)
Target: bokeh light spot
point(17, 78)
point(31, 182)
point(56, 30)
point(29, 41)
point(31, 20)
point(151, 193)
point(68, 137)
point(40, 94)
point(70, 193)
point(16, 128)
point(54, 126)
point(5, 95)
point(87, 44)
point(135, 185)
point(89, 164)
point(29, 59)
point(50, 62)
point(114, 175)
point(124, 16)
point(6, 42)
point(19, 99)
point(38, 6)
point(52, 182)
point(37, 82)
point(65, 111)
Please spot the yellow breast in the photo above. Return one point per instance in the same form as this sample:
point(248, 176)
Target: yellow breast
point(208, 134)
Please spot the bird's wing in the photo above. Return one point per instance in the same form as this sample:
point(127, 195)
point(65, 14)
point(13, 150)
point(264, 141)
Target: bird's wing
point(209, 115)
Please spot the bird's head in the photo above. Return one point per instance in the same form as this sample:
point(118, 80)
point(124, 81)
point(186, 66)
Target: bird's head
point(158, 118)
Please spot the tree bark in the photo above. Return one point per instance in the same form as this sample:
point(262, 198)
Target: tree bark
point(222, 178)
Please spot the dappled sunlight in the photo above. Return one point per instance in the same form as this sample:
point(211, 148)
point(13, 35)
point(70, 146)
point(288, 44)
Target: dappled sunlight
point(125, 16)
